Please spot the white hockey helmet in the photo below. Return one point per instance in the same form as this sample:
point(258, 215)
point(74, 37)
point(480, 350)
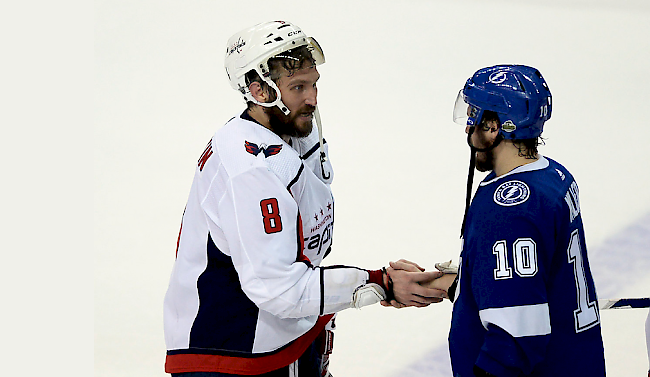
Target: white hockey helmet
point(250, 49)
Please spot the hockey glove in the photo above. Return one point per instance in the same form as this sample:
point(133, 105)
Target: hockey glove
point(447, 267)
point(373, 291)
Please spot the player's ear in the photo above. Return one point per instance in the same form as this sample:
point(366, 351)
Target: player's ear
point(258, 91)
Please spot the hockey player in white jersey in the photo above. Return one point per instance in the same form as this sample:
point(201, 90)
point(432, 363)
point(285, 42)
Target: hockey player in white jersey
point(525, 302)
point(248, 294)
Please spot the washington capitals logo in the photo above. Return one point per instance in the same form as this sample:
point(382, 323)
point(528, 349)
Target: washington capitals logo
point(237, 46)
point(270, 150)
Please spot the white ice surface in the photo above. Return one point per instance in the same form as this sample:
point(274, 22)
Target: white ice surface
point(386, 94)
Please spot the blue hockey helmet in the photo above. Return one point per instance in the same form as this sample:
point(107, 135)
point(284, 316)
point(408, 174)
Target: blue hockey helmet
point(517, 93)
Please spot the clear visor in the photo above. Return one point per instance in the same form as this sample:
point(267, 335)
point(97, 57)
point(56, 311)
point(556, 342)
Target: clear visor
point(316, 51)
point(464, 113)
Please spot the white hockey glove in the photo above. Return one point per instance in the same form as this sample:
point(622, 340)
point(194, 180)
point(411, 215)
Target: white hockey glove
point(368, 294)
point(447, 267)
point(373, 291)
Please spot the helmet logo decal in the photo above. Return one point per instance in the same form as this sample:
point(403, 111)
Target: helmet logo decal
point(511, 193)
point(498, 77)
point(237, 46)
point(508, 126)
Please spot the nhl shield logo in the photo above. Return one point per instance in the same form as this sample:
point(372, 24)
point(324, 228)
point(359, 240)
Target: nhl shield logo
point(511, 193)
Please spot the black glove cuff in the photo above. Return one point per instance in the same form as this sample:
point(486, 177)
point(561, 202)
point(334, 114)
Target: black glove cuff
point(390, 295)
point(451, 292)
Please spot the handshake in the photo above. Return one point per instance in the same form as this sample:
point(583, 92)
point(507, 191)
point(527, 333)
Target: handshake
point(413, 286)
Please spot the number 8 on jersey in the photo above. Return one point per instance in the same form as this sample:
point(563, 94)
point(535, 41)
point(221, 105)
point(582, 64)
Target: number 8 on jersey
point(271, 215)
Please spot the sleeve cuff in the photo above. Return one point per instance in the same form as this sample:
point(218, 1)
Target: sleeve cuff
point(377, 277)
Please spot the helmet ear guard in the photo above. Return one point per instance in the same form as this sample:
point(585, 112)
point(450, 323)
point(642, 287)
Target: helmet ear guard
point(251, 49)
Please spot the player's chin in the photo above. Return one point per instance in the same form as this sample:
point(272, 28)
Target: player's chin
point(303, 126)
point(483, 164)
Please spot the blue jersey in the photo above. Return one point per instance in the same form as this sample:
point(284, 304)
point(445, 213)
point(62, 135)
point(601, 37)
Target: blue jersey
point(526, 302)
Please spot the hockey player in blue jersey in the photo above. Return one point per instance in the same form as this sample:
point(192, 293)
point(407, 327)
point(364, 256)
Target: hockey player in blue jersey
point(524, 298)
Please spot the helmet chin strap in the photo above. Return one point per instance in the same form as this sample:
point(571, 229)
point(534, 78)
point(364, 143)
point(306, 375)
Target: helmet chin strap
point(472, 167)
point(323, 156)
point(278, 102)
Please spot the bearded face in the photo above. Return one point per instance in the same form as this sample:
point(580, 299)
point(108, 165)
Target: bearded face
point(484, 160)
point(484, 136)
point(297, 124)
point(299, 92)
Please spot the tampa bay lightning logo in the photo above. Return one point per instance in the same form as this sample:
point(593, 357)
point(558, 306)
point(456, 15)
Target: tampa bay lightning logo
point(498, 77)
point(270, 150)
point(511, 193)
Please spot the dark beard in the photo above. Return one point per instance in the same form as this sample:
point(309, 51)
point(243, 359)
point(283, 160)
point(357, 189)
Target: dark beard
point(286, 124)
point(485, 161)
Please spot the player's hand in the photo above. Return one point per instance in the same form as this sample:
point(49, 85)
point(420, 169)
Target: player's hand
point(406, 277)
point(442, 283)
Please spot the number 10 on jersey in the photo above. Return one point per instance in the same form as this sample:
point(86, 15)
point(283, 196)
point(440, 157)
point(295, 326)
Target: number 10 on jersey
point(586, 315)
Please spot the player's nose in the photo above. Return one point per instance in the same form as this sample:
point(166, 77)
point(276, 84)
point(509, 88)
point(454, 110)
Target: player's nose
point(311, 97)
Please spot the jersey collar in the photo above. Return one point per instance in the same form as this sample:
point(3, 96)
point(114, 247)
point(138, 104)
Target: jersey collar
point(541, 163)
point(246, 116)
point(249, 118)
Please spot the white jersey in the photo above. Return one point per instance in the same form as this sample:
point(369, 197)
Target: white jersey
point(246, 291)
